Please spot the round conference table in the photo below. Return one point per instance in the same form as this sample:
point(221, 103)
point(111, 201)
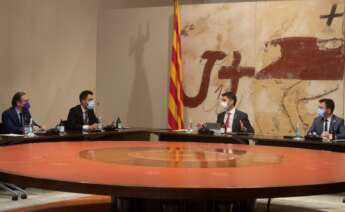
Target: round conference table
point(159, 170)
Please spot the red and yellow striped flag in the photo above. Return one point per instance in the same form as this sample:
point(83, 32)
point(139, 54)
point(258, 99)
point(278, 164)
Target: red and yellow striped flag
point(176, 107)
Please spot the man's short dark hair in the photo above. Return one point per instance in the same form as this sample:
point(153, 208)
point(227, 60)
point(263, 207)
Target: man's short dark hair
point(231, 96)
point(84, 94)
point(17, 97)
point(329, 103)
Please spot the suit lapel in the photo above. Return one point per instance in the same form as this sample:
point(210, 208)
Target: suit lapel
point(15, 116)
point(220, 118)
point(321, 125)
point(235, 122)
point(333, 123)
point(80, 112)
point(89, 115)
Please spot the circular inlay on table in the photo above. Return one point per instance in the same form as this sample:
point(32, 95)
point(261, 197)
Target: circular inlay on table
point(182, 157)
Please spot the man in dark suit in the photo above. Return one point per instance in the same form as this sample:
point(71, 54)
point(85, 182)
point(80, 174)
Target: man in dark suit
point(16, 117)
point(231, 119)
point(327, 124)
point(82, 116)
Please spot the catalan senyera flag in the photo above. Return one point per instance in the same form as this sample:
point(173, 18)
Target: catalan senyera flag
point(176, 106)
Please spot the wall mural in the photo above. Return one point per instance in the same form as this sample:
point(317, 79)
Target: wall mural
point(279, 57)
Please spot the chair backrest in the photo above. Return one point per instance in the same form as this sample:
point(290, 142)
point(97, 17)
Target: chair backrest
point(1, 128)
point(64, 122)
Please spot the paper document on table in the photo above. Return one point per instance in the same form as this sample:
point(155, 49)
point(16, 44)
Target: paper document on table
point(181, 130)
point(11, 135)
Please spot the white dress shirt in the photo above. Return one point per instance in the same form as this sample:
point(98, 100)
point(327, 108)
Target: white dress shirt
point(18, 114)
point(85, 125)
point(231, 121)
point(84, 113)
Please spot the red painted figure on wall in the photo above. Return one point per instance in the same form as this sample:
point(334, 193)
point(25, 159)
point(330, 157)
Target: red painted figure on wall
point(301, 58)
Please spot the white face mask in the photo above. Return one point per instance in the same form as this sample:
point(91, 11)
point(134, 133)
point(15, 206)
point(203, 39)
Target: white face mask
point(91, 105)
point(224, 104)
point(321, 112)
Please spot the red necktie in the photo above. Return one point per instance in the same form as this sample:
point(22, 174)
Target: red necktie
point(227, 123)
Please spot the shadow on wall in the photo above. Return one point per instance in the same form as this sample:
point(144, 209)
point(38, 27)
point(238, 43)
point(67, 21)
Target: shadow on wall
point(140, 105)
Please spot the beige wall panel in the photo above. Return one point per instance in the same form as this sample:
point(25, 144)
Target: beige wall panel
point(49, 50)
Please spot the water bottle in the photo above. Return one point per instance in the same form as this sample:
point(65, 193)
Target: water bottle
point(298, 132)
point(118, 123)
point(100, 123)
point(223, 129)
point(190, 126)
point(61, 127)
point(28, 132)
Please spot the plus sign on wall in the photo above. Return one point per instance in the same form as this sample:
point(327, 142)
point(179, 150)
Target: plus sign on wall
point(332, 15)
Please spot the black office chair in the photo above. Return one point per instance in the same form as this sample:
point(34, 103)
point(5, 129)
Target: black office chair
point(15, 191)
point(268, 206)
point(64, 123)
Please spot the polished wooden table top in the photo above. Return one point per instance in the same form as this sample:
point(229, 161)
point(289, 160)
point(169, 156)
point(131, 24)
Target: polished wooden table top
point(173, 169)
point(119, 134)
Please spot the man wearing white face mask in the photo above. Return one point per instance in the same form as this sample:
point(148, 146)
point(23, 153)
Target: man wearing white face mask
point(232, 119)
point(327, 124)
point(83, 115)
point(235, 121)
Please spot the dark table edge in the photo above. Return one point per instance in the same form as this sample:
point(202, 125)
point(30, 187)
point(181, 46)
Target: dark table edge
point(175, 193)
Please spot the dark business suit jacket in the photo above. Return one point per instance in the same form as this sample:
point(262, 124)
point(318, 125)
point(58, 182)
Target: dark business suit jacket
point(236, 126)
point(336, 126)
point(75, 120)
point(11, 123)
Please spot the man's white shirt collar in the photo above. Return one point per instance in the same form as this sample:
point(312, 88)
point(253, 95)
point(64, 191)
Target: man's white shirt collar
point(83, 109)
point(232, 111)
point(18, 111)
